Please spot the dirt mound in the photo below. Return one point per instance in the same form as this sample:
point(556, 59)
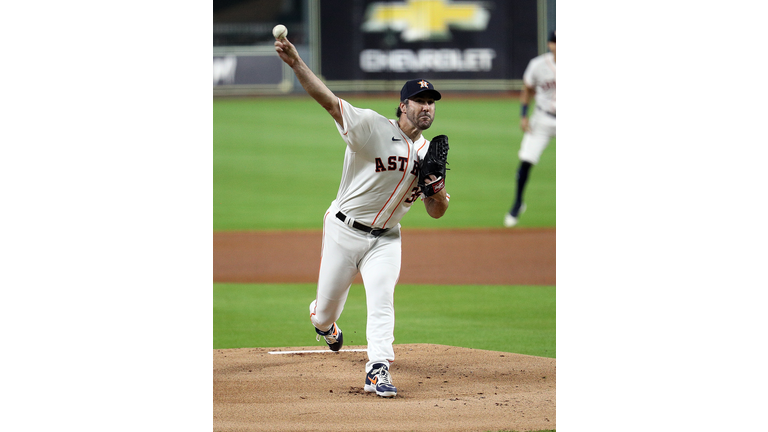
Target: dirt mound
point(439, 388)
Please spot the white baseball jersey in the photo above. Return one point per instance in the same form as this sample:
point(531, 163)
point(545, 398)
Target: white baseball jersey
point(540, 75)
point(380, 176)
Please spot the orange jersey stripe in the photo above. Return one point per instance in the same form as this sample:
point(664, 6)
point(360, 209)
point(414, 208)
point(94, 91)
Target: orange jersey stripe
point(396, 187)
point(409, 188)
point(401, 201)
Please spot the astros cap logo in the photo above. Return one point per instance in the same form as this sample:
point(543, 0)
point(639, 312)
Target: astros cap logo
point(423, 84)
point(420, 20)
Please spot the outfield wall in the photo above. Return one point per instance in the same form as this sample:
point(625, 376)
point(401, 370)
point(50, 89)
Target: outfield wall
point(375, 45)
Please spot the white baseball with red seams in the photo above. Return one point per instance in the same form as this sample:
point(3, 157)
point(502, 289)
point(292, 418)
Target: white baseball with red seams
point(378, 186)
point(280, 31)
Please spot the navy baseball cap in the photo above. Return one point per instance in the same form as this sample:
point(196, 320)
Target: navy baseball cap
point(552, 37)
point(418, 86)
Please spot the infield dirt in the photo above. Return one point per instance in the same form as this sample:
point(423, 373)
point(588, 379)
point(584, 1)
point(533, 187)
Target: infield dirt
point(439, 387)
point(466, 256)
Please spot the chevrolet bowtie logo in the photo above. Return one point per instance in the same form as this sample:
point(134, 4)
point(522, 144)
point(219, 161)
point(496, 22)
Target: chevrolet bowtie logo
point(420, 20)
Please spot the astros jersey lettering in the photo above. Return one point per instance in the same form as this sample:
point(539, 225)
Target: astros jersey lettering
point(379, 179)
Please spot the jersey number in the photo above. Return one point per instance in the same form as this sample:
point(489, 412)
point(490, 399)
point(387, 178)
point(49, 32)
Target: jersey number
point(414, 194)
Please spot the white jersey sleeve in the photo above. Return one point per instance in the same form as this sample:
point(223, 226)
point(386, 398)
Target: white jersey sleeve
point(358, 125)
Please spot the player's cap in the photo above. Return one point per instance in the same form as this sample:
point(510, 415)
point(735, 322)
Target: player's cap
point(418, 86)
point(552, 37)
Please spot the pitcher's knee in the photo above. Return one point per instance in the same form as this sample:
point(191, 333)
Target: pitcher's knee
point(320, 320)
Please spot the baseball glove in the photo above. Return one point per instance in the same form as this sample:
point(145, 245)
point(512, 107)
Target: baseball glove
point(434, 163)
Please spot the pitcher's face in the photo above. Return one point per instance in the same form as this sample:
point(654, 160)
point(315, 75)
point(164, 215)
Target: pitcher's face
point(420, 111)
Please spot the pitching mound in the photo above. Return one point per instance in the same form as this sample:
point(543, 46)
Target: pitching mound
point(439, 388)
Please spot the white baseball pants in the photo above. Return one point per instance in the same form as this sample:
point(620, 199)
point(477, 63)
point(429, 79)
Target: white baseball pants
point(345, 252)
point(543, 128)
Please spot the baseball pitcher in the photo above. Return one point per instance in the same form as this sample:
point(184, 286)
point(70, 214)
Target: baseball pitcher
point(388, 165)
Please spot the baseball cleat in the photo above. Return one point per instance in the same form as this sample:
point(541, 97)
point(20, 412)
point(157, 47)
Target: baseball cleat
point(380, 381)
point(333, 337)
point(510, 220)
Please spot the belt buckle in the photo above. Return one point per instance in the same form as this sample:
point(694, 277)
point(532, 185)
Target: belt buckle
point(376, 232)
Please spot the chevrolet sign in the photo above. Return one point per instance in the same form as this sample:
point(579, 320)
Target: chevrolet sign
point(377, 41)
point(425, 20)
point(427, 60)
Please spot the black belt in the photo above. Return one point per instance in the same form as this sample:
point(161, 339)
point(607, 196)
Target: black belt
point(542, 109)
point(374, 232)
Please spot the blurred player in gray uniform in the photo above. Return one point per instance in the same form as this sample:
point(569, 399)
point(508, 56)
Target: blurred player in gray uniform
point(538, 80)
point(361, 229)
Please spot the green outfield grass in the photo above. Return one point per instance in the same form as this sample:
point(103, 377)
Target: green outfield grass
point(277, 163)
point(518, 319)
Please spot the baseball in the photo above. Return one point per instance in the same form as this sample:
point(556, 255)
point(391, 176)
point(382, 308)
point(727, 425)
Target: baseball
point(279, 32)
